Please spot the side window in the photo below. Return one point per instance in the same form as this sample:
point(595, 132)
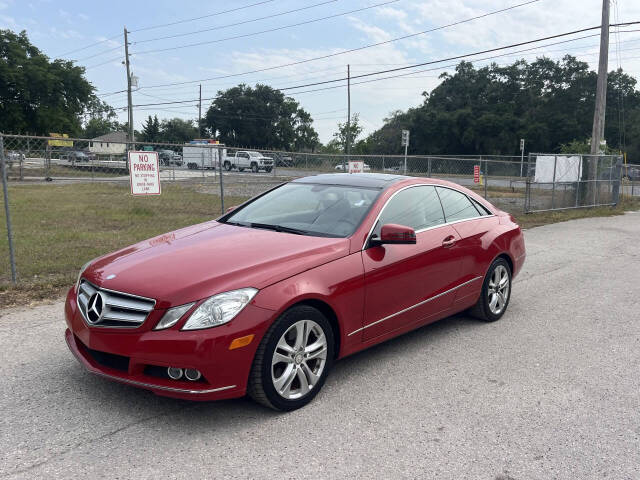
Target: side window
point(456, 205)
point(415, 207)
point(481, 208)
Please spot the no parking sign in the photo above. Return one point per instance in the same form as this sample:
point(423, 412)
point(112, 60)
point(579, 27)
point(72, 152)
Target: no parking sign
point(144, 173)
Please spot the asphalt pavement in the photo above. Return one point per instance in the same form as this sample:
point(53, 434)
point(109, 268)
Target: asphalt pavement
point(551, 391)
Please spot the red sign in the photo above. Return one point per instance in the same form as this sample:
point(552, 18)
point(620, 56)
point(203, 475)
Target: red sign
point(476, 174)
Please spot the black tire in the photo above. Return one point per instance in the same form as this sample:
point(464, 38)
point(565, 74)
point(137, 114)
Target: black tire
point(268, 169)
point(227, 166)
point(254, 167)
point(260, 387)
point(482, 310)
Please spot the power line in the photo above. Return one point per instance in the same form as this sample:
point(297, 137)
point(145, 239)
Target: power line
point(151, 27)
point(299, 62)
point(192, 19)
point(244, 35)
point(88, 46)
point(456, 57)
point(146, 40)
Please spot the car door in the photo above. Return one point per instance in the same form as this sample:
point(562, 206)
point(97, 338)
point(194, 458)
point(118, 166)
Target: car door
point(472, 221)
point(406, 284)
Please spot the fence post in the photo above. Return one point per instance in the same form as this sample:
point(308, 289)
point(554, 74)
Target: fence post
point(595, 180)
point(429, 167)
point(486, 176)
point(553, 186)
point(202, 162)
point(615, 187)
point(383, 163)
point(7, 212)
point(219, 151)
point(527, 193)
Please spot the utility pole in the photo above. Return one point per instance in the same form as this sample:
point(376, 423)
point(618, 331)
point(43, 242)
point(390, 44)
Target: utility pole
point(200, 113)
point(601, 100)
point(129, 101)
point(348, 115)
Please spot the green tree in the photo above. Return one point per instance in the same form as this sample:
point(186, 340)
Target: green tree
point(177, 130)
point(37, 95)
point(348, 131)
point(487, 110)
point(151, 130)
point(101, 119)
point(260, 117)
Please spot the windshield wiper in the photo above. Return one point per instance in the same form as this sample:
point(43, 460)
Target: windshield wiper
point(278, 228)
point(281, 228)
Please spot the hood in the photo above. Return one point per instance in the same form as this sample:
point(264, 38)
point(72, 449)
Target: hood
point(199, 261)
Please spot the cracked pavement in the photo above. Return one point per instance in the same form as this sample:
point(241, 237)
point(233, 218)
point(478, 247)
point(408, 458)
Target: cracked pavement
point(550, 391)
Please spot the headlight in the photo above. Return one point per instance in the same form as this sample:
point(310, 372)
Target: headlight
point(82, 271)
point(220, 309)
point(171, 317)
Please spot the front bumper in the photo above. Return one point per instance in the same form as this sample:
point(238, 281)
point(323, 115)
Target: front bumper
point(141, 353)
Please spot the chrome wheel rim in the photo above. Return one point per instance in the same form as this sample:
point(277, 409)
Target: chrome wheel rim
point(299, 359)
point(498, 289)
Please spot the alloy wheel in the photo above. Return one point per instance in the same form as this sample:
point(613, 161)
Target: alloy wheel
point(498, 289)
point(299, 359)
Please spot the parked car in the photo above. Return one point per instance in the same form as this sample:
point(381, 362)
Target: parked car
point(248, 159)
point(264, 299)
point(14, 157)
point(627, 173)
point(283, 161)
point(169, 157)
point(77, 156)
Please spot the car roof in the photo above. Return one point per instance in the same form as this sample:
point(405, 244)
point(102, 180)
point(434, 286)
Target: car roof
point(372, 180)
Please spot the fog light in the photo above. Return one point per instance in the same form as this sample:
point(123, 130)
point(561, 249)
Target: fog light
point(174, 373)
point(192, 374)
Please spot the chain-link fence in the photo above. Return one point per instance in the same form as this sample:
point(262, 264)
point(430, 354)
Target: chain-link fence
point(69, 199)
point(560, 182)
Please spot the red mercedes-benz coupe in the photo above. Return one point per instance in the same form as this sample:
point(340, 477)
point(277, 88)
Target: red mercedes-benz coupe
point(264, 299)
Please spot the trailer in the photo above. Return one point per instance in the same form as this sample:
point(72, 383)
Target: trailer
point(203, 155)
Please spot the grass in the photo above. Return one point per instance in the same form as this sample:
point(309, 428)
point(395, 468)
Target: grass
point(57, 228)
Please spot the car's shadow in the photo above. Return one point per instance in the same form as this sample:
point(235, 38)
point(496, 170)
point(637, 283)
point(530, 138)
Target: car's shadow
point(120, 399)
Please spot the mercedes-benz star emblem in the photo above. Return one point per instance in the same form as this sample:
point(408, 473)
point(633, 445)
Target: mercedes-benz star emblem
point(95, 308)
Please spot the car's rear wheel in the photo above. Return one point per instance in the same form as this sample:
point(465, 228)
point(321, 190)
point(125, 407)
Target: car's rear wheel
point(293, 360)
point(496, 292)
point(227, 166)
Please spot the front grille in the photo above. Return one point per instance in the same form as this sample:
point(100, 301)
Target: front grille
point(107, 308)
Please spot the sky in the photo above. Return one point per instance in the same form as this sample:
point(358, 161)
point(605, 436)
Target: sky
point(231, 43)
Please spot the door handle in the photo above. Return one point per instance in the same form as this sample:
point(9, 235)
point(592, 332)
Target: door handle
point(449, 242)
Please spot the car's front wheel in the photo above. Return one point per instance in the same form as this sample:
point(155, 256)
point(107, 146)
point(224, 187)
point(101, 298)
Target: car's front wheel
point(293, 360)
point(496, 292)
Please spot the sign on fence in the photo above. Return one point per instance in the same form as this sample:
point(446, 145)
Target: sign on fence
point(356, 167)
point(60, 143)
point(144, 173)
point(476, 174)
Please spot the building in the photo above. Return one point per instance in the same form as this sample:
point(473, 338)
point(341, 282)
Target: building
point(113, 143)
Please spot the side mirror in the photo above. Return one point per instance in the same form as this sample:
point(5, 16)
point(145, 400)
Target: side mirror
point(231, 208)
point(395, 234)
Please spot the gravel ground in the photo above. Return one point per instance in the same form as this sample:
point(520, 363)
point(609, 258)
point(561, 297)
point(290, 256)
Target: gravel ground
point(550, 391)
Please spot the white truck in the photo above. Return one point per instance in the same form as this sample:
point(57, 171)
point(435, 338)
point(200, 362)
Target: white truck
point(202, 155)
point(248, 159)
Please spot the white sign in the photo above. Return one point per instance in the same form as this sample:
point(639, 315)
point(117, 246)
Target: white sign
point(561, 167)
point(522, 144)
point(405, 138)
point(356, 167)
point(144, 173)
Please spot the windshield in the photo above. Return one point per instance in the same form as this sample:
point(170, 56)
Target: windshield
point(254, 154)
point(308, 209)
